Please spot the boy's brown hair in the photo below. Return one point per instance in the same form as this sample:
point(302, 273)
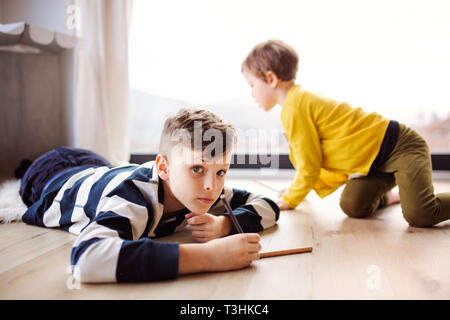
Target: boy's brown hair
point(199, 129)
point(275, 56)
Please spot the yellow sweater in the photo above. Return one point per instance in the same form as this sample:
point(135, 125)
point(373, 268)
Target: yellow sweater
point(328, 141)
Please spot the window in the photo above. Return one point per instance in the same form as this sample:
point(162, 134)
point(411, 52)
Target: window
point(391, 57)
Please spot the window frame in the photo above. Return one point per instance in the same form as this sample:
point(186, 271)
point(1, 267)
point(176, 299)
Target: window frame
point(439, 161)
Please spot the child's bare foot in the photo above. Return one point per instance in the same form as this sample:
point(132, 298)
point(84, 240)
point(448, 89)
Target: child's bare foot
point(393, 197)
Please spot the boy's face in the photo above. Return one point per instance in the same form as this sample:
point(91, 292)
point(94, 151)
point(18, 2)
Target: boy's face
point(262, 92)
point(197, 182)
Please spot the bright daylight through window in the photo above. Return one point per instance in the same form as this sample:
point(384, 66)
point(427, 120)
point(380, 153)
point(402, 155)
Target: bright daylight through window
point(390, 57)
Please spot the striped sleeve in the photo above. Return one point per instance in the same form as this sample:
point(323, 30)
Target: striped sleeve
point(254, 212)
point(113, 247)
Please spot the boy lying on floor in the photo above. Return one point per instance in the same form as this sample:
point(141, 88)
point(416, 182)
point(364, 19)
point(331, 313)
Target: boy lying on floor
point(115, 211)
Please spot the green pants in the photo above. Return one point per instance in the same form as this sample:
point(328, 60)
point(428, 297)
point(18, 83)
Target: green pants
point(409, 167)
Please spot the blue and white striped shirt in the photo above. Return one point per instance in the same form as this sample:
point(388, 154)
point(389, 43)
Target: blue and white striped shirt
point(115, 211)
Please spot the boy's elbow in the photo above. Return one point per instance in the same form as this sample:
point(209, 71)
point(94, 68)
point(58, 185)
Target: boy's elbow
point(86, 271)
point(94, 263)
point(83, 264)
point(82, 272)
point(79, 273)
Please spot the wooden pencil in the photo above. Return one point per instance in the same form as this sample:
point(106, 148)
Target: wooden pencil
point(284, 252)
point(230, 212)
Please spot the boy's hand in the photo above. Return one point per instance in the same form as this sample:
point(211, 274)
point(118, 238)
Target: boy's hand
point(283, 205)
point(283, 192)
point(234, 252)
point(206, 226)
point(280, 200)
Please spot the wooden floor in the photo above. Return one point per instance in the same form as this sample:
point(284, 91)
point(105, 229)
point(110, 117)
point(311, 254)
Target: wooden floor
point(377, 258)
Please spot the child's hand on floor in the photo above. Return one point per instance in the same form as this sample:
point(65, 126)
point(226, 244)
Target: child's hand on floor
point(206, 226)
point(228, 253)
point(234, 252)
point(280, 201)
point(283, 192)
point(283, 205)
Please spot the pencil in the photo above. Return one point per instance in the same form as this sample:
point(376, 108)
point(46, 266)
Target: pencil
point(232, 216)
point(284, 252)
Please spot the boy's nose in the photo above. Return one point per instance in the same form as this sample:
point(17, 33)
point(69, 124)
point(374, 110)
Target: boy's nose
point(209, 183)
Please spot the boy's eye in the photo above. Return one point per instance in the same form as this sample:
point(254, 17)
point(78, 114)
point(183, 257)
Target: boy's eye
point(197, 169)
point(221, 173)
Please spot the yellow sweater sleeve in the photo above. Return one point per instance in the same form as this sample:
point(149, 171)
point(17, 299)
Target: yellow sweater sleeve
point(305, 152)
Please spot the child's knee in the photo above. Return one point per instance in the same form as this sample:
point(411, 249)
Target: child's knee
point(416, 218)
point(355, 209)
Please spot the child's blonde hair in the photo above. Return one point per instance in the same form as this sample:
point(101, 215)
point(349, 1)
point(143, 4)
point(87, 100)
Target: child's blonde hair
point(272, 55)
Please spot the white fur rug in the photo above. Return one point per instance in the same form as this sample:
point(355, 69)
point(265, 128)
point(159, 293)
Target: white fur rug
point(11, 205)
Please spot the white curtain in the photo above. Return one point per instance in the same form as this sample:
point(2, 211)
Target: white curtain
point(102, 107)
